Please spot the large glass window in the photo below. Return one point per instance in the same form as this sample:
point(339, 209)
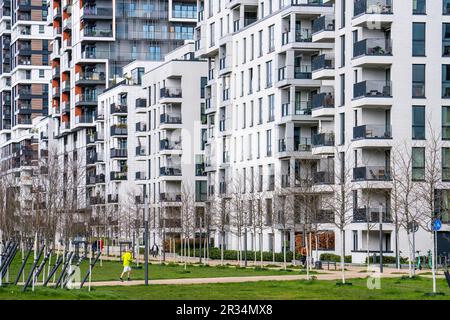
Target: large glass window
point(418, 76)
point(418, 122)
point(418, 164)
point(418, 44)
point(445, 164)
point(445, 6)
point(419, 6)
point(446, 39)
point(446, 123)
point(271, 108)
point(271, 38)
point(446, 80)
point(269, 74)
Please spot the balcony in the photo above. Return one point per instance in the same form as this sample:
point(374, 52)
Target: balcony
point(170, 171)
point(170, 196)
point(372, 13)
point(118, 108)
point(323, 29)
point(170, 118)
point(322, 67)
point(323, 177)
point(141, 152)
point(118, 176)
point(141, 127)
point(299, 148)
point(323, 144)
point(119, 130)
point(90, 180)
point(167, 144)
point(97, 33)
point(118, 153)
point(141, 104)
point(85, 120)
point(140, 176)
point(372, 131)
point(90, 139)
point(95, 13)
point(90, 78)
point(171, 93)
point(113, 198)
point(372, 93)
point(86, 100)
point(372, 53)
point(372, 173)
point(100, 178)
point(371, 215)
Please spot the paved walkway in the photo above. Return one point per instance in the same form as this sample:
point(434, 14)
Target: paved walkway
point(336, 275)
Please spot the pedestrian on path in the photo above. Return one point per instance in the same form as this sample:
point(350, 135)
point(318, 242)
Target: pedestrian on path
point(127, 258)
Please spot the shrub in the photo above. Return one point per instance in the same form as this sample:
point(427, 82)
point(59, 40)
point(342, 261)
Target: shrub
point(334, 258)
point(387, 259)
point(214, 253)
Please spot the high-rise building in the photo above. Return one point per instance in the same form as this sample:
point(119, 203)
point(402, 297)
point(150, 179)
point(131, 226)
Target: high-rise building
point(93, 41)
point(24, 87)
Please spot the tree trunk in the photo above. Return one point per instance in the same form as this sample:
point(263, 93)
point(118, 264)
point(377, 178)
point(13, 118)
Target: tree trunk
point(284, 249)
point(342, 257)
point(221, 247)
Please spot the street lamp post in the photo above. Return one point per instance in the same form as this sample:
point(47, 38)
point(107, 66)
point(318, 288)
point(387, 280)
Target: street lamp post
point(381, 237)
point(200, 252)
point(146, 237)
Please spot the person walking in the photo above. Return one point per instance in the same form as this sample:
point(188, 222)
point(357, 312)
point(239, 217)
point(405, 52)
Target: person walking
point(127, 258)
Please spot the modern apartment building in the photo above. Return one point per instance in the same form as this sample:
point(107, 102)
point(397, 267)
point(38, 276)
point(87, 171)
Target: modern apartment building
point(92, 42)
point(260, 99)
point(113, 169)
point(391, 88)
point(24, 87)
point(172, 151)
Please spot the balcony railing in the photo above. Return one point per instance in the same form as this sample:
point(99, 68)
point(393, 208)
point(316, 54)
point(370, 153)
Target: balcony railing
point(372, 131)
point(323, 140)
point(119, 130)
point(303, 72)
point(372, 215)
point(170, 171)
point(172, 118)
point(118, 153)
point(372, 7)
point(118, 176)
point(372, 47)
point(372, 89)
point(323, 177)
point(166, 144)
point(323, 100)
point(372, 173)
point(119, 108)
point(170, 196)
point(322, 62)
point(323, 23)
point(170, 92)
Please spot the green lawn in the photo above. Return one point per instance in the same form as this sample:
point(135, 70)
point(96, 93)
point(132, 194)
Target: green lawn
point(390, 289)
point(111, 270)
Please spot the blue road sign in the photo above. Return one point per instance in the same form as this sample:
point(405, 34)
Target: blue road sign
point(437, 225)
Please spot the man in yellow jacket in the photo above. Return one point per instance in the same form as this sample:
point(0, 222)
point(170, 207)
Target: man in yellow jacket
point(127, 258)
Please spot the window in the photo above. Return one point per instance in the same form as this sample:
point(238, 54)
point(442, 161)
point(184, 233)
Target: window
point(419, 6)
point(260, 111)
point(418, 122)
point(252, 47)
point(212, 34)
point(41, 73)
point(445, 164)
point(271, 38)
point(445, 6)
point(446, 81)
point(418, 77)
point(418, 164)
point(446, 123)
point(446, 39)
point(269, 143)
point(418, 39)
point(343, 14)
point(342, 78)
point(342, 128)
point(271, 108)
point(342, 51)
point(268, 74)
point(260, 44)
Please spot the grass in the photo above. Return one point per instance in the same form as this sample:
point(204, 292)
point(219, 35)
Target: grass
point(391, 289)
point(111, 270)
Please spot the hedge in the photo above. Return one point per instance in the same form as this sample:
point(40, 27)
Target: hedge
point(334, 258)
point(387, 259)
point(215, 254)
